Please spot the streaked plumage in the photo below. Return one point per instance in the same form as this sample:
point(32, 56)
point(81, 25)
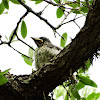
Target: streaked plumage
point(45, 51)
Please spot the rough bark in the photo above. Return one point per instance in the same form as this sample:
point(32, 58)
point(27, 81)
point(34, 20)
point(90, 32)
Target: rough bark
point(74, 56)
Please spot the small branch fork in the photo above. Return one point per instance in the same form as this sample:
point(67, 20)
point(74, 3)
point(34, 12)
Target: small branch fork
point(39, 16)
point(15, 30)
point(45, 20)
point(15, 34)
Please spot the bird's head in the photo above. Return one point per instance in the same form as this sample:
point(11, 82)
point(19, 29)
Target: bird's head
point(41, 41)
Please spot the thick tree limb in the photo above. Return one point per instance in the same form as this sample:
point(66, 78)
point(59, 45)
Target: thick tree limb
point(84, 46)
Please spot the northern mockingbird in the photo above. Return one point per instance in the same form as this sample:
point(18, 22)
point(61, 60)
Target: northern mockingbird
point(45, 51)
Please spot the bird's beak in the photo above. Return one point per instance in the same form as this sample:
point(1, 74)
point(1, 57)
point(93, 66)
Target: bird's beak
point(37, 39)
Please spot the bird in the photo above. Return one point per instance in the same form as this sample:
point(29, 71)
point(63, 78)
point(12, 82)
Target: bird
point(45, 51)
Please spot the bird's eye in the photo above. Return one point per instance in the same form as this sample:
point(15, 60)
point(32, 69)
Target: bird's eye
point(45, 39)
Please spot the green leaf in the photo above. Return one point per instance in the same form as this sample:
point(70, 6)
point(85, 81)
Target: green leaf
point(97, 96)
point(15, 1)
point(6, 3)
point(2, 8)
point(83, 2)
point(75, 93)
point(57, 1)
point(63, 41)
point(91, 96)
point(76, 11)
point(59, 91)
point(23, 29)
point(86, 81)
point(84, 9)
point(88, 64)
point(59, 13)
point(83, 98)
point(80, 85)
point(74, 5)
point(27, 60)
point(4, 72)
point(36, 0)
point(39, 1)
point(78, 1)
point(6, 37)
point(65, 97)
point(11, 35)
point(3, 80)
point(30, 53)
point(91, 2)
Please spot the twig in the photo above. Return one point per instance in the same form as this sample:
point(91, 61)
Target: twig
point(52, 3)
point(77, 24)
point(71, 20)
point(87, 3)
point(61, 5)
point(63, 20)
point(20, 52)
point(37, 14)
point(59, 34)
point(25, 43)
point(40, 13)
point(3, 42)
point(45, 20)
point(15, 33)
point(44, 95)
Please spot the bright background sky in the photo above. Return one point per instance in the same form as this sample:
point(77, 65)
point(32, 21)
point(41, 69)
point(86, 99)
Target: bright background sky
point(36, 28)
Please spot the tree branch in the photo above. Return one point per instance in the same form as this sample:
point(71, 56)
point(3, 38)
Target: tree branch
point(37, 14)
point(15, 34)
point(25, 43)
point(20, 52)
point(15, 30)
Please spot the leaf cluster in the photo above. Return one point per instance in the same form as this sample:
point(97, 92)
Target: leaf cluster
point(3, 80)
point(70, 89)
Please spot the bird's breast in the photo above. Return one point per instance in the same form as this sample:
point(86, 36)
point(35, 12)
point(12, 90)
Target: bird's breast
point(44, 54)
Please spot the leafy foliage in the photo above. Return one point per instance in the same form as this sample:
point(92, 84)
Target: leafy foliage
point(63, 40)
point(80, 85)
point(79, 7)
point(57, 1)
point(59, 12)
point(84, 9)
point(37, 1)
point(3, 80)
point(75, 93)
point(11, 35)
point(2, 8)
point(6, 3)
point(15, 1)
point(60, 91)
point(4, 72)
point(86, 81)
point(23, 29)
point(30, 52)
point(27, 60)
